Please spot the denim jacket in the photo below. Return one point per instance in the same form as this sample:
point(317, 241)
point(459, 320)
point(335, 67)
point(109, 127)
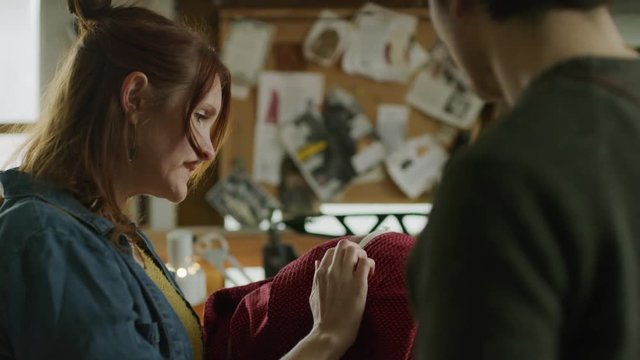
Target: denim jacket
point(66, 292)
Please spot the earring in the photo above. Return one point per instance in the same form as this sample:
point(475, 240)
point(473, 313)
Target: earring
point(133, 149)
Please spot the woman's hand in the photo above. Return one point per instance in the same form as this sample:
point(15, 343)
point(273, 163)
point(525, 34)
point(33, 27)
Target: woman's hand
point(337, 302)
point(339, 292)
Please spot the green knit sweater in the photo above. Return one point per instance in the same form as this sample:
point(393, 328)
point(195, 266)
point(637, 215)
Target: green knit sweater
point(532, 250)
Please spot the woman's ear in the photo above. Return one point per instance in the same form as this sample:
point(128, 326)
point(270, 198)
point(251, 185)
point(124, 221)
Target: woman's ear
point(134, 89)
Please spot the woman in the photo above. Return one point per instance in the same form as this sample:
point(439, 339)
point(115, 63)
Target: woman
point(139, 107)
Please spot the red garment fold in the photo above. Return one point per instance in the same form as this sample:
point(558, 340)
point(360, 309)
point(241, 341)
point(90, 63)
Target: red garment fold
point(265, 320)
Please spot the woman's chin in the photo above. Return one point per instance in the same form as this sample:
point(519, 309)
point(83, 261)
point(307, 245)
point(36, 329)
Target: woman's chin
point(178, 197)
point(175, 194)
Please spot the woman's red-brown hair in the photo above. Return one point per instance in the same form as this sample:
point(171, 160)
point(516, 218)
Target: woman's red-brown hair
point(82, 131)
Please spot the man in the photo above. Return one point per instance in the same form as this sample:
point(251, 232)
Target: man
point(532, 250)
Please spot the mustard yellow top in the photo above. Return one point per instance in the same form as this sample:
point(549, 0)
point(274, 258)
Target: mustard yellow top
point(190, 322)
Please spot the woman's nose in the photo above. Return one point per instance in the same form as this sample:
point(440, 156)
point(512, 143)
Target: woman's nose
point(207, 152)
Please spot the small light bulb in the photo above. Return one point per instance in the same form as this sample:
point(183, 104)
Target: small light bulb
point(182, 272)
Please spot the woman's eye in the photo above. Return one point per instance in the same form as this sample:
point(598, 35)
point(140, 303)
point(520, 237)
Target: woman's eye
point(199, 117)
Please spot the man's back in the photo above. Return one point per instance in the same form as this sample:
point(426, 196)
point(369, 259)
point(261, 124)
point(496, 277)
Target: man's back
point(533, 248)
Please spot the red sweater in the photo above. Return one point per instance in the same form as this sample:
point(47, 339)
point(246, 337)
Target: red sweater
point(265, 320)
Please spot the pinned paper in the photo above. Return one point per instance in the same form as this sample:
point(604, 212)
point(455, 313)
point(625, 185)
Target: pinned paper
point(281, 97)
point(333, 147)
point(441, 91)
point(382, 45)
point(245, 52)
point(417, 165)
point(392, 125)
point(327, 39)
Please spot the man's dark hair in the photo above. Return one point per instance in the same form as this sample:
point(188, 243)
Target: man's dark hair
point(505, 9)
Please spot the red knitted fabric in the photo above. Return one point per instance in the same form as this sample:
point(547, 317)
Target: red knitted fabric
point(267, 319)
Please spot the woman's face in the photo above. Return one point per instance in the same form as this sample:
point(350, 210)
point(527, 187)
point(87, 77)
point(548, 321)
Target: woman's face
point(164, 160)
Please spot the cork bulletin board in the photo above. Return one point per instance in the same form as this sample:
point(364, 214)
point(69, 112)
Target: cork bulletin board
point(292, 26)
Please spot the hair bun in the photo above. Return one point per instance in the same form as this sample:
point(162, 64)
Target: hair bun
point(89, 9)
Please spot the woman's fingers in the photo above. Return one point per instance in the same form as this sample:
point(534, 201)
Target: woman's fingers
point(315, 275)
point(326, 261)
point(339, 291)
point(339, 255)
point(352, 255)
point(345, 255)
point(365, 268)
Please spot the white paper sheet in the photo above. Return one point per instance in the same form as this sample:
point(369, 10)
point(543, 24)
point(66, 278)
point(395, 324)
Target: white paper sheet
point(281, 96)
point(392, 125)
point(333, 147)
point(448, 102)
point(245, 51)
point(417, 165)
point(441, 91)
point(327, 39)
point(381, 46)
point(418, 57)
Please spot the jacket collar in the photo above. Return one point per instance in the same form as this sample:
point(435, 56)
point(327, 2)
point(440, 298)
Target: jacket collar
point(16, 184)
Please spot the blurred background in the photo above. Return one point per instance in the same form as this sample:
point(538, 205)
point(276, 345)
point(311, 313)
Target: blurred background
point(344, 113)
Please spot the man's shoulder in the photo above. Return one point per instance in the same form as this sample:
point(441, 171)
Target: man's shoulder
point(558, 122)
